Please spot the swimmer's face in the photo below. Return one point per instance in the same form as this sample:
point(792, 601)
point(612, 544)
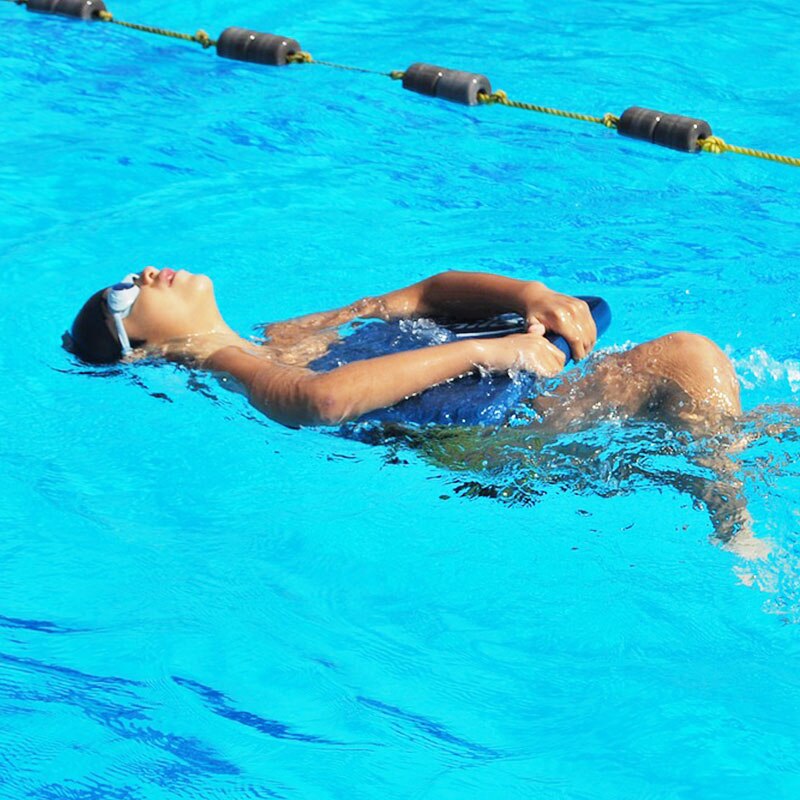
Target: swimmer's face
point(172, 305)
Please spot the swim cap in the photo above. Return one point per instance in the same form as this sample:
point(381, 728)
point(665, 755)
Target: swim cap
point(91, 338)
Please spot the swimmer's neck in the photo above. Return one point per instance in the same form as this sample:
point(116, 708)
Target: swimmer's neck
point(200, 348)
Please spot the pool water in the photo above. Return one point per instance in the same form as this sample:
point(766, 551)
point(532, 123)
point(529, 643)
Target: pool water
point(199, 603)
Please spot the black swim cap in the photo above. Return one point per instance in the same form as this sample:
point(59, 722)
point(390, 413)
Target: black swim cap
point(91, 338)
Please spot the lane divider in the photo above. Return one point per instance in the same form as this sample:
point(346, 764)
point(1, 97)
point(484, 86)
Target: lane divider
point(675, 131)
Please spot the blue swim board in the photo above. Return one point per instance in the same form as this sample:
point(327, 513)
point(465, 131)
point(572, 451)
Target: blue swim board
point(476, 399)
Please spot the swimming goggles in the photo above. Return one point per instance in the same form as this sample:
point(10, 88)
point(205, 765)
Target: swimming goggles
point(120, 299)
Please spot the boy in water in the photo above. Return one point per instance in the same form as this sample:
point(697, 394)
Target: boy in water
point(682, 378)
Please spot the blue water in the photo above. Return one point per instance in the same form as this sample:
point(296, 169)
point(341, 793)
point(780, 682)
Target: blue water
point(196, 602)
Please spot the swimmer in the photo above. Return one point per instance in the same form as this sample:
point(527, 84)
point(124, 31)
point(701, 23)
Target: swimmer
point(682, 378)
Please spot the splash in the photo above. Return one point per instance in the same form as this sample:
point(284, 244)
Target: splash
point(758, 369)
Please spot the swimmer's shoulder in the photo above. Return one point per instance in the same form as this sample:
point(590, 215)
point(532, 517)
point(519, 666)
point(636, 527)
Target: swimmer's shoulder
point(284, 393)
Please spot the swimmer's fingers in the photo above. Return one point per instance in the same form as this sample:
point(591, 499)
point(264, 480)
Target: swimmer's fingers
point(572, 319)
point(569, 317)
point(535, 327)
point(536, 354)
point(553, 359)
point(523, 351)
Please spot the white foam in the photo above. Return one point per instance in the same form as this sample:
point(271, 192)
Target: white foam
point(759, 368)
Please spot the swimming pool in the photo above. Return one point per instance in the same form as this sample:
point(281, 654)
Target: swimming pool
point(199, 603)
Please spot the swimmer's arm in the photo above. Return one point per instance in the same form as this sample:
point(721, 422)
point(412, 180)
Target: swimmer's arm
point(296, 396)
point(461, 295)
point(472, 295)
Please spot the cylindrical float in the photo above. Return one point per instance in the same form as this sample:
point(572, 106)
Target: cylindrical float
point(80, 9)
point(669, 130)
point(681, 133)
point(446, 84)
point(462, 87)
point(242, 44)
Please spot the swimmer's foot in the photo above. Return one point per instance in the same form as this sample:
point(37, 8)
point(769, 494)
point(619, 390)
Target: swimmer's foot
point(749, 547)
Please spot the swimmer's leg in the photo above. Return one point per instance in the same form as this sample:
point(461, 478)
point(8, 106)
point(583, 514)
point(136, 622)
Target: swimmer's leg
point(682, 379)
point(686, 381)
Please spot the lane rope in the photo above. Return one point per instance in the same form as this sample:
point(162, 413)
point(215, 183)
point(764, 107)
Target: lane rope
point(201, 37)
point(501, 98)
point(306, 58)
point(715, 144)
point(707, 144)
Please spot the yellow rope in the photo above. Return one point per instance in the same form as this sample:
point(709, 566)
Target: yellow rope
point(201, 37)
point(501, 98)
point(307, 58)
point(713, 144)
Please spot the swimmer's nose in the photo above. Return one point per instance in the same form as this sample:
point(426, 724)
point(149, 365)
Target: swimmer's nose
point(147, 276)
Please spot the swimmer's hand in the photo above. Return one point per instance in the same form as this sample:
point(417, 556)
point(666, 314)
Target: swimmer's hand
point(530, 352)
point(552, 312)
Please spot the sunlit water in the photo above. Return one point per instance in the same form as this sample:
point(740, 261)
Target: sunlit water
point(199, 603)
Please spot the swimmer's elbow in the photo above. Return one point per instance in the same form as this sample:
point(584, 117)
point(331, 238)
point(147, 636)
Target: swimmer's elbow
point(327, 405)
point(326, 409)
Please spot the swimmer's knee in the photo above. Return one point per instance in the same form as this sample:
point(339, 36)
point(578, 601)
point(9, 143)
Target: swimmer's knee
point(700, 353)
point(693, 345)
point(690, 349)
point(699, 367)
point(682, 378)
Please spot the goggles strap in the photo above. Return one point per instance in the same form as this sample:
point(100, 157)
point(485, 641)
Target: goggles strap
point(122, 335)
point(120, 300)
